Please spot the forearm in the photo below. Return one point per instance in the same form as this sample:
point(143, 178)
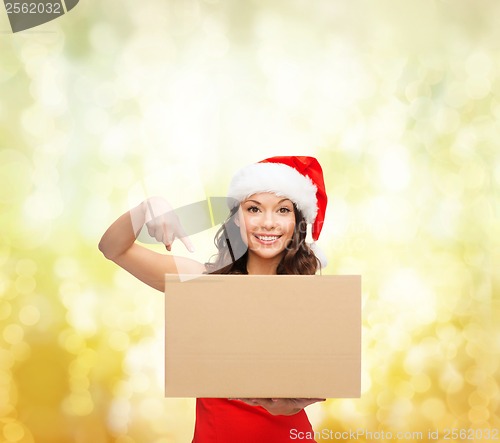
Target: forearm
point(122, 234)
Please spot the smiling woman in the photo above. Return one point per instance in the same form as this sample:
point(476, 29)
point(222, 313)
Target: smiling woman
point(267, 224)
point(271, 203)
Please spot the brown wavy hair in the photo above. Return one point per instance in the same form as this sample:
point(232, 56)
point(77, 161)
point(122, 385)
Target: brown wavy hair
point(232, 255)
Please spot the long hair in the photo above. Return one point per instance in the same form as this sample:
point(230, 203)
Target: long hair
point(232, 255)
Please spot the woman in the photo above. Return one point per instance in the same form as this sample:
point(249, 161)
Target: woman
point(271, 203)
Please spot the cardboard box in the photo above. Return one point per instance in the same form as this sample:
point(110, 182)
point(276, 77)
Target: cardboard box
point(265, 336)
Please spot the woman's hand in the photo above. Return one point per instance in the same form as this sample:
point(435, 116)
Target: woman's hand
point(118, 243)
point(281, 406)
point(163, 224)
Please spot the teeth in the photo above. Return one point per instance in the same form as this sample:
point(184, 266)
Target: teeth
point(268, 238)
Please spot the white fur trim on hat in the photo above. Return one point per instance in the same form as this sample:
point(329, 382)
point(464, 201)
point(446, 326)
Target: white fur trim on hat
point(279, 179)
point(319, 253)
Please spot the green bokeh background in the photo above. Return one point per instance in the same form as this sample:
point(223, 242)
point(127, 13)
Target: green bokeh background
point(400, 102)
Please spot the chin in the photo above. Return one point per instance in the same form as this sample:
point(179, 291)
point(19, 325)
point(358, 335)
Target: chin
point(268, 254)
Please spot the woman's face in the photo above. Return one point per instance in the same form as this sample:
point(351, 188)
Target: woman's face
point(266, 223)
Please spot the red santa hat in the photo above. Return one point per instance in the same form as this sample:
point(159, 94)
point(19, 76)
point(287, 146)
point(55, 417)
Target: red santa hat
point(298, 178)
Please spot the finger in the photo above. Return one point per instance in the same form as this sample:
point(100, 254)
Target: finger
point(187, 243)
point(303, 402)
point(168, 238)
point(309, 398)
point(155, 231)
point(250, 401)
point(151, 229)
point(261, 401)
point(158, 235)
point(185, 239)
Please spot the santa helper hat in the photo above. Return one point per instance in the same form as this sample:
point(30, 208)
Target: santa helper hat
point(298, 178)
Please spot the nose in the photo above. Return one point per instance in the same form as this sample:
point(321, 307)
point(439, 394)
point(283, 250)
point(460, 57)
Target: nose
point(268, 221)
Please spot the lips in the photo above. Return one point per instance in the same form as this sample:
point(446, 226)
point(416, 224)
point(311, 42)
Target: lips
point(267, 239)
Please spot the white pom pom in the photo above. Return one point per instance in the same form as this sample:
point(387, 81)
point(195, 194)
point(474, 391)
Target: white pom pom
point(318, 252)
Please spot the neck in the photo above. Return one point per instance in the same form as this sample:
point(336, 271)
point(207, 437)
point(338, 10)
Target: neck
point(262, 266)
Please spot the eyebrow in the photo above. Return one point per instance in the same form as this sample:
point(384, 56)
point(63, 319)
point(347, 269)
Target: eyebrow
point(259, 203)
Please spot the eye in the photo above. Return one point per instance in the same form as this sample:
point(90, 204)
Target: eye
point(284, 210)
point(253, 209)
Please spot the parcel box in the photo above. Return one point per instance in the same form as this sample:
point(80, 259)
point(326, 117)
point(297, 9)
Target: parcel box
point(250, 336)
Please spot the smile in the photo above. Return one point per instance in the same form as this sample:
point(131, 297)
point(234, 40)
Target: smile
point(267, 238)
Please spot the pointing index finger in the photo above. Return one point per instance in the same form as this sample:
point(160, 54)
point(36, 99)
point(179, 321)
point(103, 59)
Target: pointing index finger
point(187, 242)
